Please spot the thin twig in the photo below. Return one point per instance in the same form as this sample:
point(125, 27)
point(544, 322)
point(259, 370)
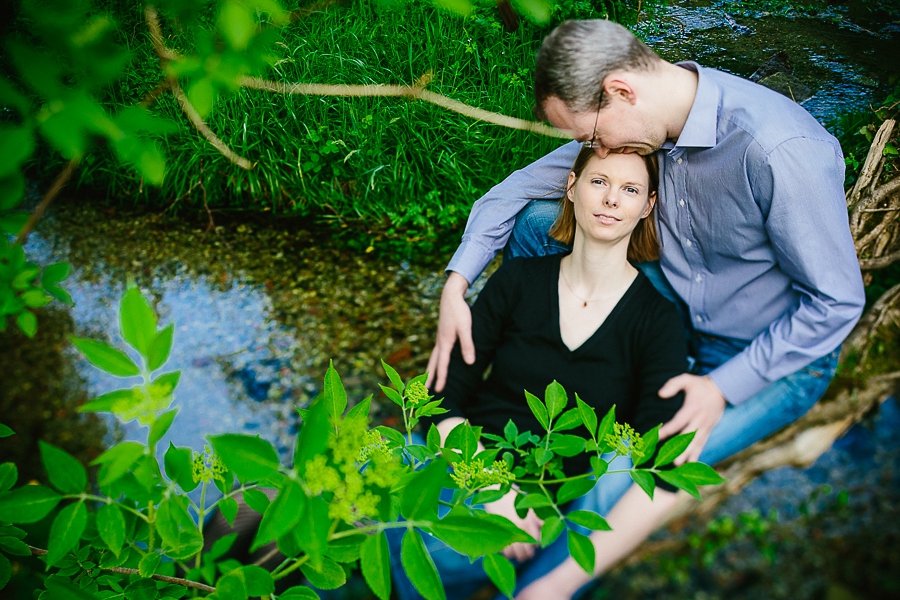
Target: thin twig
point(880, 262)
point(125, 571)
point(55, 188)
point(176, 200)
point(153, 95)
point(408, 91)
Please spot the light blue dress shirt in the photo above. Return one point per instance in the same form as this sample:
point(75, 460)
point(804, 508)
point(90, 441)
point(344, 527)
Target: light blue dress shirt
point(752, 222)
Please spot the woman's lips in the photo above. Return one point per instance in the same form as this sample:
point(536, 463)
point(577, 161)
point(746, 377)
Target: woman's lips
point(606, 219)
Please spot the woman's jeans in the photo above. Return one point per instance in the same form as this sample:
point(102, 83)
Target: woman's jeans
point(778, 405)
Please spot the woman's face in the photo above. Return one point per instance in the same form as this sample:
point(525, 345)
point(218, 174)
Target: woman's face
point(611, 196)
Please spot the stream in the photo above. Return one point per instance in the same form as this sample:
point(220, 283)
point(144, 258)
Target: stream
point(262, 306)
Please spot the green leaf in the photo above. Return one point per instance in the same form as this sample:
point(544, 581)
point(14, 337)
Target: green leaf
point(607, 424)
point(231, 586)
point(313, 437)
point(137, 321)
point(161, 426)
point(298, 593)
point(13, 545)
point(568, 420)
point(346, 549)
point(680, 481)
point(312, 532)
point(148, 565)
point(542, 456)
point(464, 438)
point(420, 497)
point(259, 581)
point(599, 466)
point(460, 7)
point(65, 532)
point(673, 448)
point(177, 462)
point(535, 500)
point(5, 431)
point(574, 489)
point(433, 439)
point(202, 95)
point(229, 508)
point(63, 588)
point(501, 572)
point(105, 357)
point(65, 473)
point(361, 409)
point(396, 381)
point(117, 461)
point(27, 322)
point(5, 571)
point(375, 563)
point(28, 504)
point(55, 273)
point(555, 398)
point(538, 409)
point(487, 496)
point(12, 190)
point(392, 395)
point(111, 527)
point(16, 145)
point(550, 530)
point(158, 353)
point(589, 519)
point(329, 576)
point(256, 500)
point(420, 567)
point(248, 457)
point(236, 24)
point(566, 445)
point(333, 394)
point(582, 550)
point(645, 480)
point(281, 515)
point(9, 473)
point(476, 535)
point(649, 439)
point(177, 528)
point(699, 474)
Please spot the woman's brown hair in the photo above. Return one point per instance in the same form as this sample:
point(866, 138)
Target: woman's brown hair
point(644, 242)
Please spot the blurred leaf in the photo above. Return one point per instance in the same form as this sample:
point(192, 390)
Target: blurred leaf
point(5, 431)
point(161, 426)
point(12, 223)
point(236, 23)
point(12, 190)
point(249, 457)
point(105, 357)
point(65, 532)
point(10, 96)
point(117, 461)
point(312, 532)
point(257, 500)
point(460, 7)
point(159, 350)
point(375, 563)
point(420, 567)
point(111, 526)
point(9, 473)
point(329, 576)
point(13, 545)
point(501, 572)
point(5, 571)
point(65, 473)
point(229, 508)
point(589, 519)
point(39, 70)
point(55, 273)
point(281, 515)
point(27, 322)
point(538, 10)
point(137, 321)
point(582, 550)
point(28, 504)
point(313, 437)
point(16, 146)
point(202, 95)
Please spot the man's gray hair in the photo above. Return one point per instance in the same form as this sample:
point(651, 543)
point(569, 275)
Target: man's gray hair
point(577, 56)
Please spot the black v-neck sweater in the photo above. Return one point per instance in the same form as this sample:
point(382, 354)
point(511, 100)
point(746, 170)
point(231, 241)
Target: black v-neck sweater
point(515, 328)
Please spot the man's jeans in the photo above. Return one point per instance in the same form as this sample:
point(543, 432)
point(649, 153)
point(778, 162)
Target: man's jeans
point(780, 404)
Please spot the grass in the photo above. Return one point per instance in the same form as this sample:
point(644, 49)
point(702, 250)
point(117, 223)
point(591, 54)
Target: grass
point(386, 168)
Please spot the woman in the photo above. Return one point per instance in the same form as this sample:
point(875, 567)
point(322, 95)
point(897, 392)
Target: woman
point(591, 321)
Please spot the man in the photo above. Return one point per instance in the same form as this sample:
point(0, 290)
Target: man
point(752, 221)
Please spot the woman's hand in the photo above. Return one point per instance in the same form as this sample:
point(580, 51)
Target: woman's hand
point(531, 525)
point(455, 321)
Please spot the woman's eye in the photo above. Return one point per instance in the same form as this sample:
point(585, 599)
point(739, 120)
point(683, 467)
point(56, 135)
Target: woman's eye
point(631, 190)
point(598, 181)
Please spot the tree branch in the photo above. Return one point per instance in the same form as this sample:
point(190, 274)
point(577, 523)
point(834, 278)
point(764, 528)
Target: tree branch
point(871, 264)
point(55, 188)
point(125, 571)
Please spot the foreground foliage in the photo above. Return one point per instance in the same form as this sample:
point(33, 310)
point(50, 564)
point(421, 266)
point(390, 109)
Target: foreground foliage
point(127, 532)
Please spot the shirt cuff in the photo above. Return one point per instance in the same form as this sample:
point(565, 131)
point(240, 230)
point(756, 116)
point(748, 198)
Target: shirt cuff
point(738, 380)
point(470, 259)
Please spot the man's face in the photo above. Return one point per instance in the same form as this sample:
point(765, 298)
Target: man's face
point(617, 127)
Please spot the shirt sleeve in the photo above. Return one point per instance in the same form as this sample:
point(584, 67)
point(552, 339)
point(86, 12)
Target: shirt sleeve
point(799, 186)
point(494, 214)
point(490, 315)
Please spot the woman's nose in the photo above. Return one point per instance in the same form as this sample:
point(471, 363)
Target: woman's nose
point(611, 199)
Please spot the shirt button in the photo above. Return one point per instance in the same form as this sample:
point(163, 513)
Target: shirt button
point(680, 160)
point(698, 278)
point(681, 202)
point(698, 318)
point(688, 243)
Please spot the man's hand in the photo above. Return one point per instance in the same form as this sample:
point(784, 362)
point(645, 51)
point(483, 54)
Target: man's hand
point(455, 321)
point(531, 525)
point(702, 409)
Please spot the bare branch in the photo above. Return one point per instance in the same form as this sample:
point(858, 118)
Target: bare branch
point(886, 189)
point(870, 166)
point(55, 188)
point(154, 94)
point(125, 571)
point(383, 90)
point(871, 264)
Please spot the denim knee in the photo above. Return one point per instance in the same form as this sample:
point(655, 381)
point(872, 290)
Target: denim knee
point(531, 233)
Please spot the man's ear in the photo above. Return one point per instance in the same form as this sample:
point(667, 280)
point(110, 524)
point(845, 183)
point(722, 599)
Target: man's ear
point(651, 202)
point(570, 187)
point(618, 86)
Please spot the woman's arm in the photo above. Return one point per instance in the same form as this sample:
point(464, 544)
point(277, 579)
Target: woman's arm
point(632, 519)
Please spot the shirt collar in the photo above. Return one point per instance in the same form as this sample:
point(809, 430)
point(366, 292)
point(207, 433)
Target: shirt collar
point(700, 128)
